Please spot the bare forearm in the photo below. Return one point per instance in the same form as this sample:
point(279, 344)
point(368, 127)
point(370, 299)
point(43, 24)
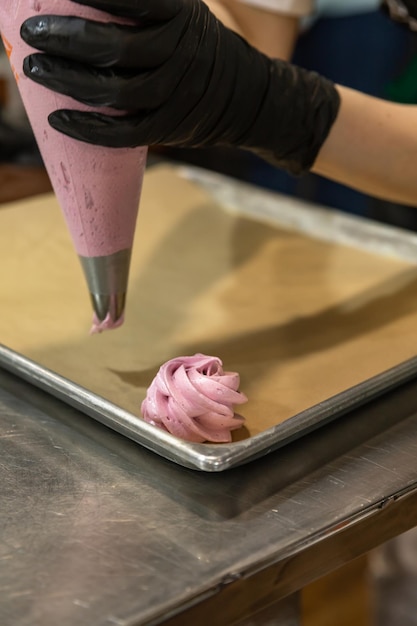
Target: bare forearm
point(372, 147)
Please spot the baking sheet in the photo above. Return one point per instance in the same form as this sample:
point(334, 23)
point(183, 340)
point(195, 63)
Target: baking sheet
point(314, 327)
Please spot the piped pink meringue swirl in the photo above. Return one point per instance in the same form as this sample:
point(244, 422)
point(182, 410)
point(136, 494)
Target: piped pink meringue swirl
point(192, 397)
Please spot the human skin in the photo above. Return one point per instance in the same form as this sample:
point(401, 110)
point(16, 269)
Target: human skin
point(372, 147)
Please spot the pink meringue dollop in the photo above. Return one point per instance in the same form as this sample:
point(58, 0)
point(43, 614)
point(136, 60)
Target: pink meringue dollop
point(192, 397)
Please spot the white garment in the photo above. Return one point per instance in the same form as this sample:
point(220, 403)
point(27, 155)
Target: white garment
point(304, 8)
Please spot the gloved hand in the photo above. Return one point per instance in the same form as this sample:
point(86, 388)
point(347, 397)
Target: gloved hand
point(182, 79)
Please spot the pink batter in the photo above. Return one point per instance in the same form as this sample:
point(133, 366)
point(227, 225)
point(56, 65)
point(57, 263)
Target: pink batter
point(192, 397)
point(99, 326)
point(98, 188)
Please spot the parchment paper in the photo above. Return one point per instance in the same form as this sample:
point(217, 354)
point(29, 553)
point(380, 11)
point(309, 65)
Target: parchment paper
point(301, 320)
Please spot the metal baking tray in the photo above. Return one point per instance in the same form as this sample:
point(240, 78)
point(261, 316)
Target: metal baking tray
point(341, 289)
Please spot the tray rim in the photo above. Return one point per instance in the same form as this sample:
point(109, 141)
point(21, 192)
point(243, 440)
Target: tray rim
point(313, 220)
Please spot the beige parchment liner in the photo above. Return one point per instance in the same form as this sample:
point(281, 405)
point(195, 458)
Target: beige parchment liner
point(301, 320)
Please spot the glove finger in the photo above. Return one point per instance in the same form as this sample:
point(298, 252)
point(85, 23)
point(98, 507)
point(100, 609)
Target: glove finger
point(103, 130)
point(107, 87)
point(137, 9)
point(102, 45)
point(94, 87)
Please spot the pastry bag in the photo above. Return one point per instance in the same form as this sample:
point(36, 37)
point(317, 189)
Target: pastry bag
point(98, 188)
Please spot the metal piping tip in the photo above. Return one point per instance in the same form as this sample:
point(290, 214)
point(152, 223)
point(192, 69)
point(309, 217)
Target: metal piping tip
point(107, 278)
point(105, 306)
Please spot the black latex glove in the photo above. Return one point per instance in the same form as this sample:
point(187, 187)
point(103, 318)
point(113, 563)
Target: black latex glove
point(184, 79)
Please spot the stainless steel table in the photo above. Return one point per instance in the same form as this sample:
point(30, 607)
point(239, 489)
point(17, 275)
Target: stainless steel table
point(96, 530)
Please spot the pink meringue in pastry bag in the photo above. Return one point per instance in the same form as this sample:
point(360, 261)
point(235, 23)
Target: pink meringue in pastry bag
point(97, 188)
